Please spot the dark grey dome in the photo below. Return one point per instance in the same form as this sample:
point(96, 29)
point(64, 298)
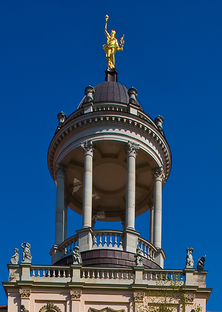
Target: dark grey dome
point(111, 92)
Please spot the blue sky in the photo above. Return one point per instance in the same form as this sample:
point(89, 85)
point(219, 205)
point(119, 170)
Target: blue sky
point(51, 50)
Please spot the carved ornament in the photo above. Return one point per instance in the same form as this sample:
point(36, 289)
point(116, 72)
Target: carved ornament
point(24, 292)
point(138, 296)
point(132, 149)
point(50, 307)
point(189, 297)
point(88, 147)
point(107, 309)
point(158, 173)
point(60, 171)
point(75, 294)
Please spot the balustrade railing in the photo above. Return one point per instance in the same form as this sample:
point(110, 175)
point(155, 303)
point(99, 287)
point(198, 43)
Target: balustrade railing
point(65, 274)
point(147, 248)
point(104, 274)
point(40, 273)
point(164, 277)
point(68, 245)
point(109, 239)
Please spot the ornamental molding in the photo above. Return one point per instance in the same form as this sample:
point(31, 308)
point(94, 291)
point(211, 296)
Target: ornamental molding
point(143, 126)
point(88, 147)
point(158, 174)
point(132, 149)
point(138, 296)
point(75, 294)
point(50, 307)
point(60, 171)
point(189, 297)
point(24, 292)
point(107, 309)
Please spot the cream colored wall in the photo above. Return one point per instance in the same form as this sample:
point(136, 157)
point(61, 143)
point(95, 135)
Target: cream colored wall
point(98, 299)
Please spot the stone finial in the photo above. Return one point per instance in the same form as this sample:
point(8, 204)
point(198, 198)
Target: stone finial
point(15, 257)
point(27, 257)
point(139, 256)
point(189, 259)
point(200, 264)
point(159, 122)
point(62, 118)
point(89, 92)
point(132, 92)
point(77, 259)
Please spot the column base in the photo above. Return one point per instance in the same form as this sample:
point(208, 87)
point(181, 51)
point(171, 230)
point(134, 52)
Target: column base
point(130, 240)
point(159, 257)
point(85, 239)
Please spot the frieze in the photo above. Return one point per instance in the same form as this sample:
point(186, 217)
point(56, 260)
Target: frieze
point(107, 309)
point(141, 125)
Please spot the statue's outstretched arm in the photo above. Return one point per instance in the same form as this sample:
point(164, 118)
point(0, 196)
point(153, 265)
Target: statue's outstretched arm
point(105, 29)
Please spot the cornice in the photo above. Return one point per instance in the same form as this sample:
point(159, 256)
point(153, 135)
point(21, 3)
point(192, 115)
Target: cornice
point(73, 125)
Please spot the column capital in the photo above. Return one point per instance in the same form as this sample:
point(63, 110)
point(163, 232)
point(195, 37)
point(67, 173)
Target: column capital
point(158, 174)
point(88, 147)
point(75, 294)
point(132, 149)
point(60, 171)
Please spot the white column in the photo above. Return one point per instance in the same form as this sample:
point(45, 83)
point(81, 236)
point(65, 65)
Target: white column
point(65, 221)
point(87, 183)
point(158, 176)
point(131, 185)
point(60, 205)
point(151, 223)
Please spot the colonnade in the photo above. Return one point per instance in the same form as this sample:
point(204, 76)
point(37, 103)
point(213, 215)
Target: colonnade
point(155, 211)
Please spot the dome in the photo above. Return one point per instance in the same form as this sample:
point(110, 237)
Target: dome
point(111, 92)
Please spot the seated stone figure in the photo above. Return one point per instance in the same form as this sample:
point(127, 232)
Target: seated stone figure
point(15, 257)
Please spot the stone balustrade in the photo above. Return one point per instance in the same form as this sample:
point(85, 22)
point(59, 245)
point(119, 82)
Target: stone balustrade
point(106, 239)
point(137, 275)
point(110, 239)
point(107, 274)
point(68, 245)
point(164, 277)
point(147, 248)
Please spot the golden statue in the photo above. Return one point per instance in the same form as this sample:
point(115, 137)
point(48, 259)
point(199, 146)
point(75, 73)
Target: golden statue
point(112, 46)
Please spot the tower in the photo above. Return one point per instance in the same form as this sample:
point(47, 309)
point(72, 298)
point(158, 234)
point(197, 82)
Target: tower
point(109, 161)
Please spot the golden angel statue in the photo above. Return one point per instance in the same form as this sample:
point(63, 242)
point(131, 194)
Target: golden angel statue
point(112, 46)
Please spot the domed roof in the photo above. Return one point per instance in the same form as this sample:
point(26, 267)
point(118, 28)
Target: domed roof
point(111, 92)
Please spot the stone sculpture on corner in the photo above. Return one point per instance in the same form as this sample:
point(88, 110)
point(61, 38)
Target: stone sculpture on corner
point(189, 260)
point(77, 259)
point(200, 263)
point(15, 257)
point(139, 256)
point(27, 257)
